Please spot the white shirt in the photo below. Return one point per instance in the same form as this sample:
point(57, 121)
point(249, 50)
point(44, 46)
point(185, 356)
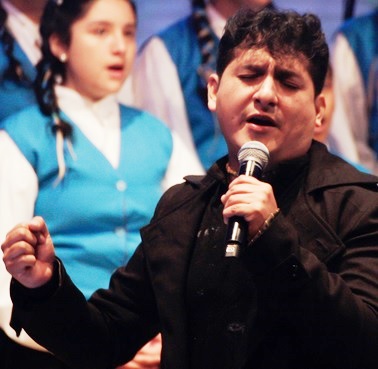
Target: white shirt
point(349, 130)
point(24, 30)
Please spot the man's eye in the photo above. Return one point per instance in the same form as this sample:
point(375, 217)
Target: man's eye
point(247, 77)
point(290, 85)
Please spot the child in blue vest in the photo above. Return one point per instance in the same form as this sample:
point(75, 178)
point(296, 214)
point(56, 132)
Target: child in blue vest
point(93, 168)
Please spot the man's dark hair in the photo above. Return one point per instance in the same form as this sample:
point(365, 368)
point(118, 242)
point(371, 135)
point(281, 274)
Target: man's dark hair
point(281, 33)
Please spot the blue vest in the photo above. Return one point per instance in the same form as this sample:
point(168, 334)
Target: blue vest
point(182, 44)
point(362, 35)
point(95, 213)
point(15, 96)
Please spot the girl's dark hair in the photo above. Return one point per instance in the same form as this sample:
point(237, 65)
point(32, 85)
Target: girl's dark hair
point(57, 19)
point(13, 71)
point(281, 33)
point(204, 34)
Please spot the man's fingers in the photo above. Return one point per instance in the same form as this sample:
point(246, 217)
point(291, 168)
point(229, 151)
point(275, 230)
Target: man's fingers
point(38, 225)
point(19, 265)
point(18, 234)
point(18, 249)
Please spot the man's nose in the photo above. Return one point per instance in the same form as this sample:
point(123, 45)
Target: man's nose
point(266, 94)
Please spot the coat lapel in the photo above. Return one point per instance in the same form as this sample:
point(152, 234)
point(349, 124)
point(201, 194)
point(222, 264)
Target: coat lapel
point(171, 251)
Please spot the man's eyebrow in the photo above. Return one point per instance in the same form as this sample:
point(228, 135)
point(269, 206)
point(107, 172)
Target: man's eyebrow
point(286, 73)
point(280, 72)
point(254, 67)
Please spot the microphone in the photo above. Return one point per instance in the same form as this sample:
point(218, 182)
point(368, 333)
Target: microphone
point(253, 157)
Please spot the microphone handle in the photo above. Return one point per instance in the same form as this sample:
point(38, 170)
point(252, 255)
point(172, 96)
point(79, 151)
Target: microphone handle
point(236, 236)
point(237, 231)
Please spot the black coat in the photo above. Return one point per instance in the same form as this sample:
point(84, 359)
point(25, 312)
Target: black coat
point(304, 295)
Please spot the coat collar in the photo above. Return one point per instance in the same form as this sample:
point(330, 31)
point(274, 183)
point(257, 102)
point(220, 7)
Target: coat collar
point(331, 171)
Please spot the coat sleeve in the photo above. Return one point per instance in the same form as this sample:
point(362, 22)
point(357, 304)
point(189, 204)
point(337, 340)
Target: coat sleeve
point(103, 332)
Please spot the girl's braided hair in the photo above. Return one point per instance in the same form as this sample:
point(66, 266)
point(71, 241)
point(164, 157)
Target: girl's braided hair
point(206, 42)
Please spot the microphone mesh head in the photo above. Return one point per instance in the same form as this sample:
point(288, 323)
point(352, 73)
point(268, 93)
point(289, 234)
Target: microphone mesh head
point(254, 150)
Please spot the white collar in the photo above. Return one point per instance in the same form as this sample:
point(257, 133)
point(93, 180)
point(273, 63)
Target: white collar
point(99, 121)
point(71, 103)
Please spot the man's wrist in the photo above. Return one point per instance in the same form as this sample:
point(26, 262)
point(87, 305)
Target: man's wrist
point(43, 292)
point(265, 226)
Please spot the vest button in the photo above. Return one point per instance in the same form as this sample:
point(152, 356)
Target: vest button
point(120, 231)
point(121, 186)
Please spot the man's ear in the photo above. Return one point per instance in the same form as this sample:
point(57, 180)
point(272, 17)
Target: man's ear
point(321, 127)
point(319, 109)
point(57, 47)
point(212, 89)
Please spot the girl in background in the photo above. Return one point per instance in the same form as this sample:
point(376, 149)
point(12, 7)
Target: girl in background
point(19, 52)
point(92, 168)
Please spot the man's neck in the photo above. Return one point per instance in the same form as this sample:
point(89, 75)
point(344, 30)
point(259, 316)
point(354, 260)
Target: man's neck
point(31, 8)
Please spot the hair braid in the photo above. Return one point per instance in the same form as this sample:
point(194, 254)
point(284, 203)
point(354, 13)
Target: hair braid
point(49, 70)
point(46, 98)
point(206, 42)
